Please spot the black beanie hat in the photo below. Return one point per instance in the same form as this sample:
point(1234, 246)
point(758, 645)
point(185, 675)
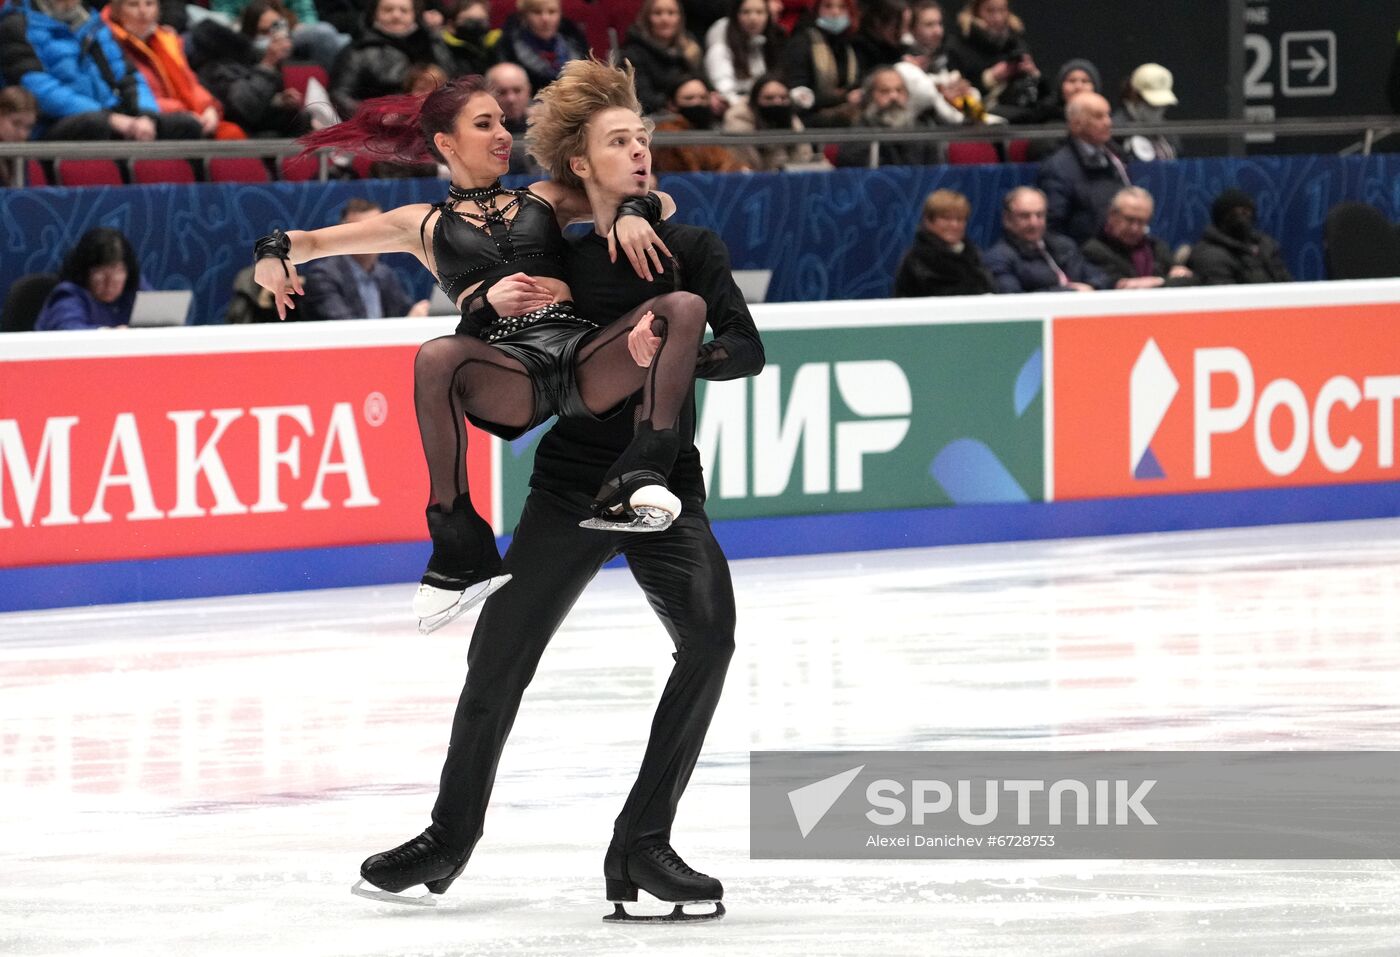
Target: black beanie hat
point(1228, 200)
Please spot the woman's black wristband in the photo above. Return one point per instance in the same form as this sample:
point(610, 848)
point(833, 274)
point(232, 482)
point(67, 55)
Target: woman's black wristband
point(277, 245)
point(648, 207)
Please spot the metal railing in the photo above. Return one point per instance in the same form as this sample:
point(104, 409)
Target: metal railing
point(1367, 129)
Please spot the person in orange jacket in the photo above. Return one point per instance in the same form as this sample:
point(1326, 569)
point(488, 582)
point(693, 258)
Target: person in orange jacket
point(158, 52)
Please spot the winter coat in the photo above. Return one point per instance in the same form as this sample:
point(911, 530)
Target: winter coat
point(230, 69)
point(720, 66)
point(71, 306)
point(68, 71)
point(932, 268)
point(1116, 260)
point(332, 292)
point(826, 65)
point(923, 86)
point(472, 55)
point(691, 159)
point(973, 52)
point(739, 118)
point(1018, 267)
point(377, 64)
point(660, 68)
point(518, 46)
point(1221, 260)
point(1079, 188)
point(1146, 148)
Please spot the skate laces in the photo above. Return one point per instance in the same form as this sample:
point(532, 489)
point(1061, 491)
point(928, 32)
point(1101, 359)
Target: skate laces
point(419, 849)
point(667, 857)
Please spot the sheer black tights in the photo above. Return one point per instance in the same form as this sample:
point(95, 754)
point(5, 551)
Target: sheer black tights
point(456, 375)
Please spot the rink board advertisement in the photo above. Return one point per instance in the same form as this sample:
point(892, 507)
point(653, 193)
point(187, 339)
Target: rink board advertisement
point(173, 463)
point(1241, 399)
point(892, 417)
point(148, 457)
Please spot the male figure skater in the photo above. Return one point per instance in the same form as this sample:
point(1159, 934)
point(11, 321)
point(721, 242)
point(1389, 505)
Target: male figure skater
point(588, 131)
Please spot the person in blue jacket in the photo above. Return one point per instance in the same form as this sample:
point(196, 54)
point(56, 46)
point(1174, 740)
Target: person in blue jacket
point(1030, 259)
point(64, 54)
point(97, 284)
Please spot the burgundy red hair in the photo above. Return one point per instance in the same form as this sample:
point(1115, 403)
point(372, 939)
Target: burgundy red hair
point(399, 128)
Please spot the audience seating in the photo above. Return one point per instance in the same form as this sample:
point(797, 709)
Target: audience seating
point(25, 300)
point(88, 172)
point(972, 153)
point(34, 174)
point(239, 169)
point(162, 171)
point(296, 76)
point(1018, 151)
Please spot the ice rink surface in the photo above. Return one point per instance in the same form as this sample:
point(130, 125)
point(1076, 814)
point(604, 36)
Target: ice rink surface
point(204, 777)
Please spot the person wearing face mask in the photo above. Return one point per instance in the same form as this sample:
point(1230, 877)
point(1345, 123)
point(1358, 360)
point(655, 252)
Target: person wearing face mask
point(1146, 96)
point(243, 69)
point(471, 41)
point(159, 54)
point(821, 67)
point(376, 64)
point(689, 100)
point(662, 52)
point(97, 285)
point(1232, 250)
point(769, 107)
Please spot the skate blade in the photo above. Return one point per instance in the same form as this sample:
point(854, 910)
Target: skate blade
point(678, 915)
point(649, 519)
point(472, 597)
point(363, 888)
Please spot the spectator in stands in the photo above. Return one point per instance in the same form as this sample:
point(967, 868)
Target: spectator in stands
point(769, 107)
point(942, 262)
point(311, 39)
point(97, 284)
point(470, 39)
point(1030, 259)
point(159, 54)
point(355, 287)
point(821, 68)
point(1125, 250)
point(18, 114)
point(376, 64)
point(989, 48)
point(541, 40)
point(662, 52)
point(744, 45)
point(420, 80)
point(931, 82)
point(1232, 250)
point(886, 106)
point(880, 39)
point(1075, 77)
point(1146, 96)
point(244, 70)
point(511, 85)
point(85, 88)
point(1081, 178)
point(689, 100)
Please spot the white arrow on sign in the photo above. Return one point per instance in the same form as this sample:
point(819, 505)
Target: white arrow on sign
point(1315, 60)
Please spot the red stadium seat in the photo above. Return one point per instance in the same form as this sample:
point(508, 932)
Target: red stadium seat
point(295, 76)
point(162, 171)
point(1018, 151)
point(299, 169)
point(238, 169)
point(361, 166)
point(94, 172)
point(34, 174)
point(972, 154)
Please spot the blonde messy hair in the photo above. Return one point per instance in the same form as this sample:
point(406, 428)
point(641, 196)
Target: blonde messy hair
point(559, 120)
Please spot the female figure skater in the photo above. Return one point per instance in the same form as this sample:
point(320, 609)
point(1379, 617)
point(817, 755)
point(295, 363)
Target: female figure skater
point(520, 354)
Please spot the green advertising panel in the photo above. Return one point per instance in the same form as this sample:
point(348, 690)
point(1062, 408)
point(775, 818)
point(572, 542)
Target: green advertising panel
point(855, 419)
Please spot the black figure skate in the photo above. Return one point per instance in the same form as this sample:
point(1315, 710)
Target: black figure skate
point(634, 496)
point(423, 860)
point(464, 569)
point(660, 872)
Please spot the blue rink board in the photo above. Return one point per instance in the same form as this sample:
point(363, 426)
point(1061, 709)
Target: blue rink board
point(101, 583)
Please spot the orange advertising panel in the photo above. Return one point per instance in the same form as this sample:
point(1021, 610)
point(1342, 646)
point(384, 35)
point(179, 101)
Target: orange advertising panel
point(136, 457)
point(1168, 403)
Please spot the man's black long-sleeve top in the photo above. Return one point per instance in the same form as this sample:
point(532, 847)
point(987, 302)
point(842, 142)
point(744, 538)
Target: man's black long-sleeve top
point(575, 453)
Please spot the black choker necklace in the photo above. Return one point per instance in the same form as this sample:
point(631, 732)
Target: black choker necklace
point(475, 195)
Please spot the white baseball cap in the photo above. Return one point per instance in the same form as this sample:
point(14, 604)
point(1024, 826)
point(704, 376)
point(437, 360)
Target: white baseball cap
point(1153, 83)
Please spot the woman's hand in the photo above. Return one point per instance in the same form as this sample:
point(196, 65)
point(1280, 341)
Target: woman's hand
point(639, 242)
point(209, 120)
point(642, 343)
point(518, 295)
point(280, 281)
